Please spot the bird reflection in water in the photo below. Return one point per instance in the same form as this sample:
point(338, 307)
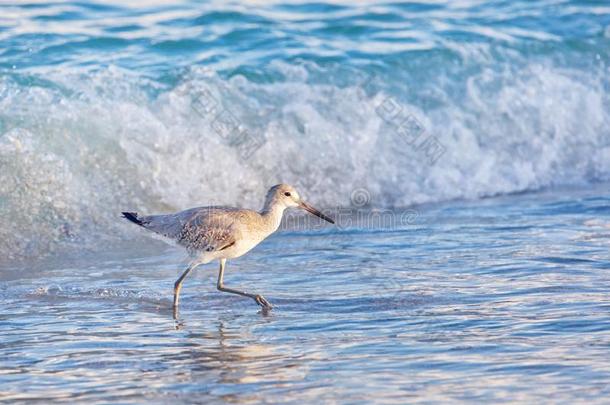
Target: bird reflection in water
point(237, 354)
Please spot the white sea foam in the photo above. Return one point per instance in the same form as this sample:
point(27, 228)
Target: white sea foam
point(79, 149)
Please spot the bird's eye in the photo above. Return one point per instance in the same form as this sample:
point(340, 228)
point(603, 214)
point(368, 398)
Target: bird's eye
point(287, 194)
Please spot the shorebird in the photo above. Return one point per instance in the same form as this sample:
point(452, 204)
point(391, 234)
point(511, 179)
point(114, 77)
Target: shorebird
point(221, 233)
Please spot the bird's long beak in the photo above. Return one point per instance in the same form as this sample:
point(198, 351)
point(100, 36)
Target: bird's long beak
point(314, 211)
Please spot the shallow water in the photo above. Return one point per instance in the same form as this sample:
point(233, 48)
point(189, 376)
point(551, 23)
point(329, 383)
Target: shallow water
point(497, 300)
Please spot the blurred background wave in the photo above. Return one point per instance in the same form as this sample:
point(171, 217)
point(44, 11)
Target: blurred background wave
point(106, 107)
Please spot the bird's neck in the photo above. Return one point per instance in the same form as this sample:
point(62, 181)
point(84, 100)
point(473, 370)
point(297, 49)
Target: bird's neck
point(272, 214)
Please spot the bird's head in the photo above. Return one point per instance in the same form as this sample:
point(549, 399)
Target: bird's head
point(289, 197)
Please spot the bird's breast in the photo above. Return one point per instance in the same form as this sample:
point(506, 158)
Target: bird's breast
point(241, 246)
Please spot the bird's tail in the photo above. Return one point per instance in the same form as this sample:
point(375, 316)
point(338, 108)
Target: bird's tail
point(133, 217)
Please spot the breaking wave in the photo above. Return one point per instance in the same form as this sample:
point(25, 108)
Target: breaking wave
point(457, 120)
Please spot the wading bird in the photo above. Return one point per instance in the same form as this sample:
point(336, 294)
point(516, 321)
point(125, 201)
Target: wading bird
point(221, 233)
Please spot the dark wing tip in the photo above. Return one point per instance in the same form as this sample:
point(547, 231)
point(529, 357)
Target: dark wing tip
point(132, 216)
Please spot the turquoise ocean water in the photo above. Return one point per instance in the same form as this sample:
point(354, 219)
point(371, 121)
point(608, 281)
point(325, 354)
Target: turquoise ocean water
point(462, 146)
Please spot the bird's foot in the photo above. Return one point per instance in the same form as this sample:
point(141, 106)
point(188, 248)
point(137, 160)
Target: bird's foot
point(260, 300)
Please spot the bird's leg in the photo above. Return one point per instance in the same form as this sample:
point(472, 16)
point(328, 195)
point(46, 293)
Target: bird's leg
point(178, 287)
point(260, 300)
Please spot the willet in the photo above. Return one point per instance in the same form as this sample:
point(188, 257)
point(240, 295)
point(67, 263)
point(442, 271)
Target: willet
point(210, 233)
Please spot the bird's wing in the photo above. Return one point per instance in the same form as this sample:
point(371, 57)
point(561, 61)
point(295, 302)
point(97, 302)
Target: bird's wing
point(204, 229)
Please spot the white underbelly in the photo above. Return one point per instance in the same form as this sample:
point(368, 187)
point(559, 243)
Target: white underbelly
point(239, 248)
